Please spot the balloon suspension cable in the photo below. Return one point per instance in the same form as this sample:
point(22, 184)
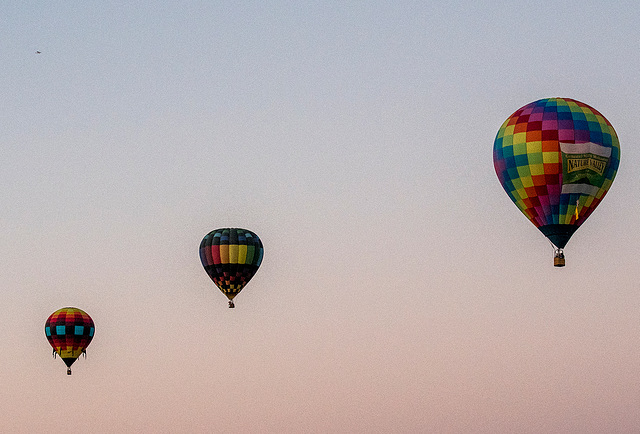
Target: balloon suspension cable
point(54, 353)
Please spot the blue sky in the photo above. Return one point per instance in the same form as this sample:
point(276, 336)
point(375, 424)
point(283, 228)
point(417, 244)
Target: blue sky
point(401, 290)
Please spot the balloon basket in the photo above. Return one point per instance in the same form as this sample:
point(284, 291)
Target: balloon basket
point(231, 305)
point(558, 258)
point(68, 371)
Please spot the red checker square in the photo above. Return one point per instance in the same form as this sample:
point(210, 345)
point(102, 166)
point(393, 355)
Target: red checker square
point(513, 120)
point(534, 136)
point(539, 180)
point(550, 146)
point(520, 128)
point(552, 169)
point(531, 192)
point(534, 201)
point(536, 211)
point(534, 125)
point(541, 190)
point(552, 179)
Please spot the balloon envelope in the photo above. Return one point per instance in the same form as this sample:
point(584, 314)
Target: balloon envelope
point(231, 257)
point(556, 158)
point(69, 331)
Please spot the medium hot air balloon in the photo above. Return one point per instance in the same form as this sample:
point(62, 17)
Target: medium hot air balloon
point(69, 331)
point(231, 257)
point(556, 158)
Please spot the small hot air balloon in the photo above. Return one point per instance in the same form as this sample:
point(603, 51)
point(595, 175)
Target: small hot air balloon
point(69, 331)
point(556, 158)
point(231, 257)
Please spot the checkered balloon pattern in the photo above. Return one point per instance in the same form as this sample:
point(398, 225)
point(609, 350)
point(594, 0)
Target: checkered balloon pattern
point(556, 158)
point(69, 331)
point(231, 257)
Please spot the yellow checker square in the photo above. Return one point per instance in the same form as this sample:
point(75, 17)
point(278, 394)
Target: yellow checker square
point(610, 129)
point(523, 172)
point(520, 139)
point(591, 117)
point(588, 201)
point(517, 183)
point(536, 169)
point(522, 194)
point(527, 182)
point(534, 146)
point(507, 141)
point(242, 254)
point(550, 157)
point(519, 148)
point(233, 253)
point(508, 131)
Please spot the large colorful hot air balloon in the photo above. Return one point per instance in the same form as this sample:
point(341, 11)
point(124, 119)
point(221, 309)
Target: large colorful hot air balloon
point(556, 158)
point(231, 256)
point(69, 331)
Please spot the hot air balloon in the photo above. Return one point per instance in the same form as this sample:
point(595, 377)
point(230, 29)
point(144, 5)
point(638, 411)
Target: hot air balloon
point(69, 331)
point(556, 158)
point(231, 257)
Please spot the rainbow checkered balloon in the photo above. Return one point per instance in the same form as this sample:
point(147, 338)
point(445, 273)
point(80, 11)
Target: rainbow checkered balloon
point(231, 257)
point(556, 158)
point(69, 331)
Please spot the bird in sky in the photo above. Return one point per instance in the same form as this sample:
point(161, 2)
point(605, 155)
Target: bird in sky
point(38, 52)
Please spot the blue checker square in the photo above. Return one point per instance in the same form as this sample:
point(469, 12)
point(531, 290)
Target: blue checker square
point(522, 160)
point(596, 136)
point(595, 126)
point(580, 125)
point(579, 116)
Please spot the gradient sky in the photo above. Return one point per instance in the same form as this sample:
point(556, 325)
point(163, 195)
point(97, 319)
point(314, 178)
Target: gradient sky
point(401, 289)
